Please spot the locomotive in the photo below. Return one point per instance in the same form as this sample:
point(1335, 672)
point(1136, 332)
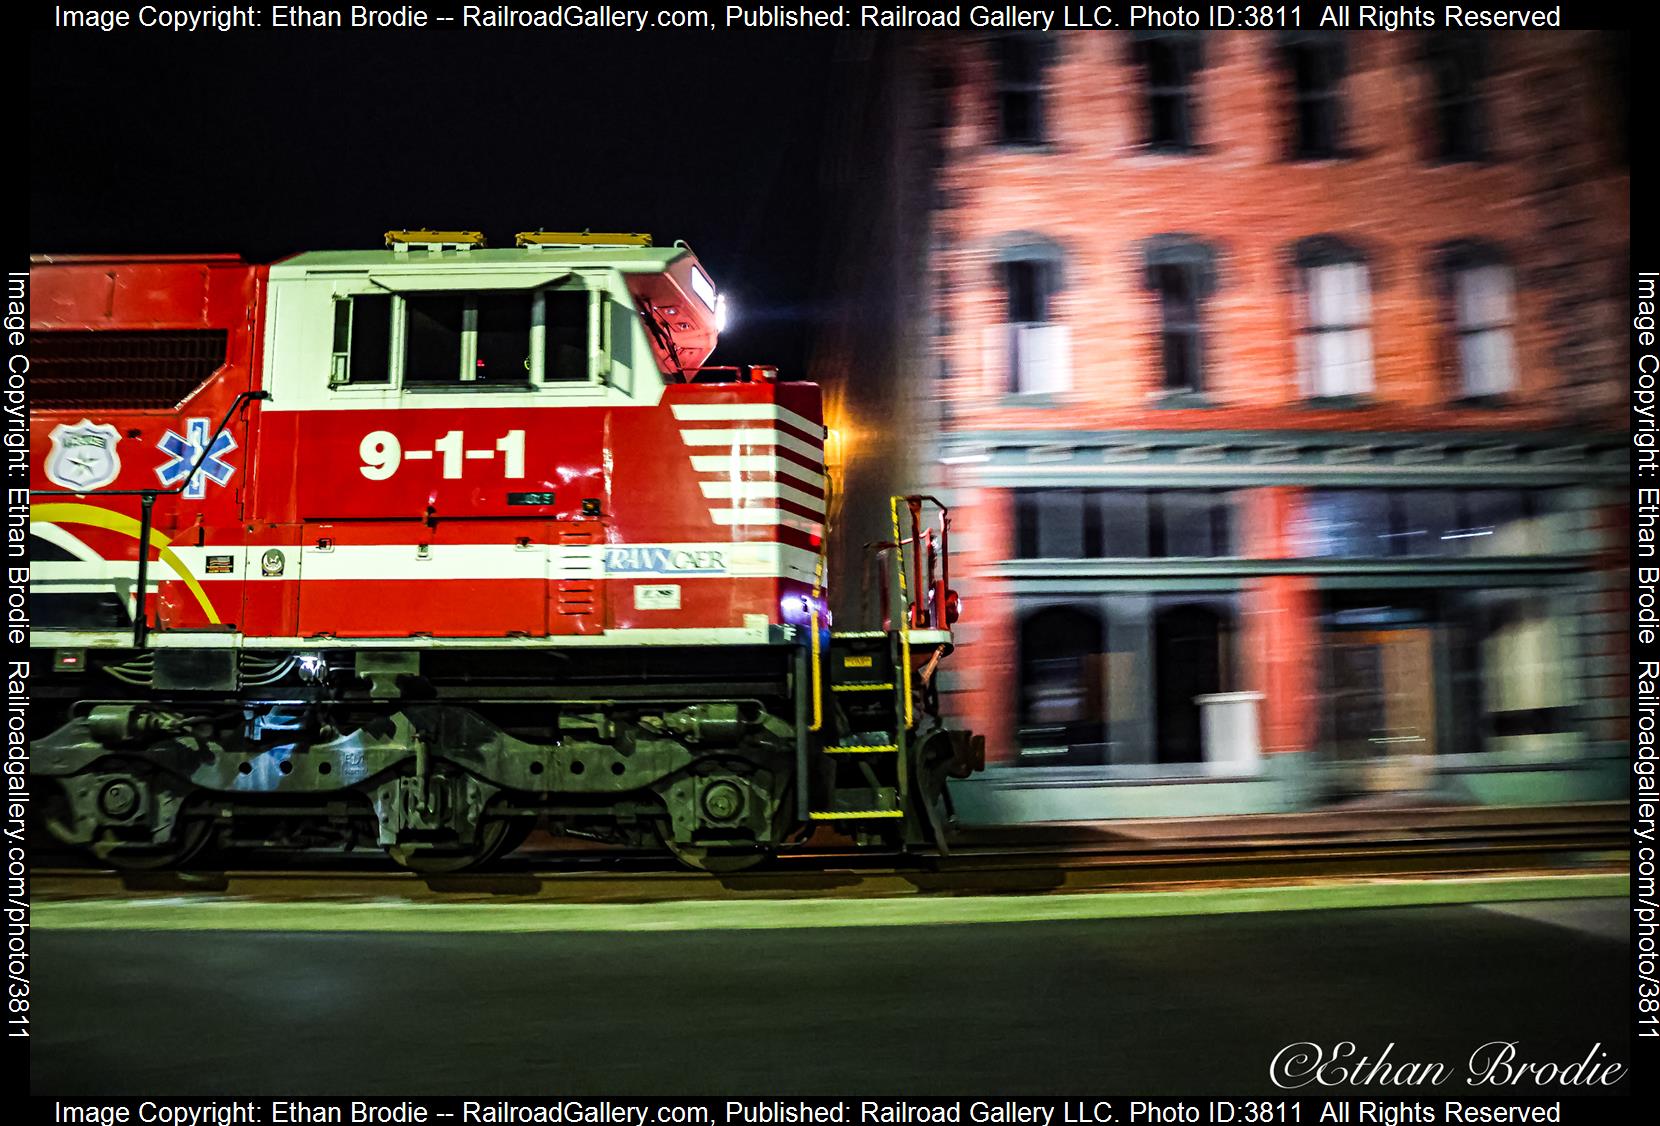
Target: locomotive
point(419, 548)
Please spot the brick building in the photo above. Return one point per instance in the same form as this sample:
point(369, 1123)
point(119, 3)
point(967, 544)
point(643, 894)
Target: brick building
point(1277, 382)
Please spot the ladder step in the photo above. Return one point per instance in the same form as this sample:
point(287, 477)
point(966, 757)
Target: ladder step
point(860, 804)
point(862, 687)
point(859, 633)
point(853, 814)
point(865, 749)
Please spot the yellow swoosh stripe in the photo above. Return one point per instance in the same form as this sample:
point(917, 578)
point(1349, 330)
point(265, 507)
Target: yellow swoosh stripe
point(124, 525)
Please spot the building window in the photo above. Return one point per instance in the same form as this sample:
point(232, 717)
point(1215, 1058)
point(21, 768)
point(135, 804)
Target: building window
point(1190, 524)
point(1021, 61)
point(1181, 272)
point(1486, 318)
point(1394, 523)
point(1478, 285)
point(1315, 64)
point(1179, 332)
point(1526, 676)
point(1123, 524)
point(1457, 65)
point(1170, 63)
point(1037, 348)
point(1335, 343)
point(1052, 524)
point(1445, 671)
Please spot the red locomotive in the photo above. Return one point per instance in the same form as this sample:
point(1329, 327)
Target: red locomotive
point(428, 545)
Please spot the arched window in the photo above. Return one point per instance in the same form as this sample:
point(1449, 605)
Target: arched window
point(1029, 270)
point(1334, 344)
point(1181, 272)
point(1062, 696)
point(1480, 294)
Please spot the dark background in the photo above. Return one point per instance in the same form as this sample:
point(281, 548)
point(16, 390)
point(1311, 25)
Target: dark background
point(269, 143)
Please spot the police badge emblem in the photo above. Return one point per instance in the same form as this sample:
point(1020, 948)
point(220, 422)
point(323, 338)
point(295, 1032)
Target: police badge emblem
point(83, 456)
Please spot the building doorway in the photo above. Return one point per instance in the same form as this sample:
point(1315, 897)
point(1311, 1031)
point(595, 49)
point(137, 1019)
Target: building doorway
point(1187, 648)
point(1062, 689)
point(1383, 698)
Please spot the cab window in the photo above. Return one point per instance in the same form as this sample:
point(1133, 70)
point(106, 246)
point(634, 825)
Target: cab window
point(433, 330)
point(362, 339)
point(456, 340)
point(566, 313)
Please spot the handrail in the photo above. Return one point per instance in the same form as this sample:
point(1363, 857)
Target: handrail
point(745, 373)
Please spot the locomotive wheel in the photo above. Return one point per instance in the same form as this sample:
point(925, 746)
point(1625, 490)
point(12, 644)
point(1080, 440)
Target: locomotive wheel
point(189, 838)
point(493, 838)
point(518, 832)
point(716, 861)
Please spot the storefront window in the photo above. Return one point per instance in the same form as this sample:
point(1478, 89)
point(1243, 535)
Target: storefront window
point(1446, 672)
point(1122, 680)
point(1386, 523)
point(1123, 524)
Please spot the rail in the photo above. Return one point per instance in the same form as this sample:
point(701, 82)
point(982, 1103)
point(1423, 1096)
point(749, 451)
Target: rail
point(600, 877)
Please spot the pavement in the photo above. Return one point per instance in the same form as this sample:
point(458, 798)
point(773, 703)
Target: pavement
point(1166, 993)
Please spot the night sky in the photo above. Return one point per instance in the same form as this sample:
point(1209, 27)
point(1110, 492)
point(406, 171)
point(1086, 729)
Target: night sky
point(266, 144)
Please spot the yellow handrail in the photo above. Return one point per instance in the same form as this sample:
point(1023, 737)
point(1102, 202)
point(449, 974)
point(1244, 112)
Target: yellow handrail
point(904, 609)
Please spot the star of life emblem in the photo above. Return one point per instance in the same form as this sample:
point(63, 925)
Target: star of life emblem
point(184, 449)
point(83, 456)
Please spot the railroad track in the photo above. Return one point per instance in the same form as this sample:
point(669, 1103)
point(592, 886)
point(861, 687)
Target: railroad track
point(978, 869)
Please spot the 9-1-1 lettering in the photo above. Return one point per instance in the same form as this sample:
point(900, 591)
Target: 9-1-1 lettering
point(382, 454)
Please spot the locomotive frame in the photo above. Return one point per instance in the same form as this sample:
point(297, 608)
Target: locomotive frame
point(433, 658)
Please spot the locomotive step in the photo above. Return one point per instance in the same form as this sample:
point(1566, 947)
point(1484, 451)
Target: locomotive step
point(862, 664)
point(860, 805)
point(852, 814)
point(865, 749)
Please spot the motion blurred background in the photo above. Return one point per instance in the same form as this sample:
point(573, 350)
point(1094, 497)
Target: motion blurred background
point(1277, 384)
point(1275, 380)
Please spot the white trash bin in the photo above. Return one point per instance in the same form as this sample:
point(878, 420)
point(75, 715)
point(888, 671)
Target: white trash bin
point(1232, 738)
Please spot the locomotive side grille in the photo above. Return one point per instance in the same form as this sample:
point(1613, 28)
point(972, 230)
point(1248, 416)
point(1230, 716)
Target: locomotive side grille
point(579, 595)
point(132, 370)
